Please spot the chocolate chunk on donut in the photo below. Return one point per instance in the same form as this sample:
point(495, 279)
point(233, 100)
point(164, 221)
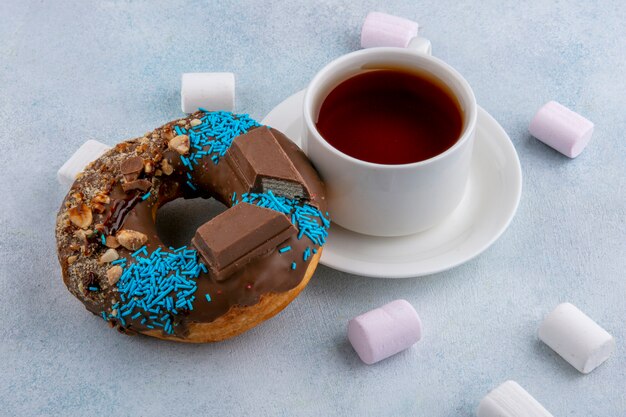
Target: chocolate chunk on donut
point(237, 236)
point(131, 168)
point(141, 185)
point(260, 164)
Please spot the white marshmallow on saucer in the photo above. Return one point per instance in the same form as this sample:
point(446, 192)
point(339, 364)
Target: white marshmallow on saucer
point(385, 331)
point(208, 90)
point(510, 400)
point(382, 29)
point(576, 338)
point(561, 128)
point(88, 152)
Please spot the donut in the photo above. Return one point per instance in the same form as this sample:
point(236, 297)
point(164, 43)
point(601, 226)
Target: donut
point(241, 267)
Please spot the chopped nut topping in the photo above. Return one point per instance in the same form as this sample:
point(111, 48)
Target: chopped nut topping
point(131, 239)
point(71, 259)
point(101, 198)
point(98, 208)
point(168, 133)
point(122, 146)
point(109, 256)
point(180, 144)
point(111, 242)
point(81, 216)
point(113, 274)
point(166, 167)
point(148, 167)
point(195, 122)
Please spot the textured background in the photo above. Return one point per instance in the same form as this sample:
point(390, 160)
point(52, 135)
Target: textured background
point(110, 70)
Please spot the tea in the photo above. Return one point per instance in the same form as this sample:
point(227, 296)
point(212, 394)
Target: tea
point(391, 117)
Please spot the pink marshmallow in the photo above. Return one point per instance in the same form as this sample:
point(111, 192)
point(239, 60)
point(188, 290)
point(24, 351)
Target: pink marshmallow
point(381, 29)
point(385, 331)
point(562, 129)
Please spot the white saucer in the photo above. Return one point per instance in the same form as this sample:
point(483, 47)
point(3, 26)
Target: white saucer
point(490, 201)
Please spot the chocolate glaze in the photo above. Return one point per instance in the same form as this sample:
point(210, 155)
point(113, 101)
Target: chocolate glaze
point(121, 207)
point(268, 273)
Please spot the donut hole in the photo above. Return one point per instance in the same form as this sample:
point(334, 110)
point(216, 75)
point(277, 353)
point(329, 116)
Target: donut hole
point(177, 221)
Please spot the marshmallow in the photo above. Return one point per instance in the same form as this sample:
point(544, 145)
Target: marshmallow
point(385, 331)
point(510, 400)
point(88, 152)
point(208, 90)
point(576, 338)
point(562, 129)
point(381, 29)
point(422, 45)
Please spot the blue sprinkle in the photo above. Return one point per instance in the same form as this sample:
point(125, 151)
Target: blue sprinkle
point(145, 196)
point(234, 197)
point(103, 239)
point(215, 135)
point(308, 219)
point(149, 285)
point(93, 288)
point(285, 249)
point(138, 251)
point(293, 265)
point(193, 187)
point(208, 298)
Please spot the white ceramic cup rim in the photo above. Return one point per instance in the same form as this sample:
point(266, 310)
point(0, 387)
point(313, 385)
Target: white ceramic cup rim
point(471, 111)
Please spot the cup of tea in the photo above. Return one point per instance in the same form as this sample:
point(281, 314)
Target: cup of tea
point(391, 132)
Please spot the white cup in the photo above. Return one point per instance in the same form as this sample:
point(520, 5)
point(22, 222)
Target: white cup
point(389, 200)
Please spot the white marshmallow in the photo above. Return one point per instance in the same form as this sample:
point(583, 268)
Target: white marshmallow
point(561, 128)
point(385, 331)
point(510, 400)
point(382, 29)
point(208, 90)
point(88, 152)
point(422, 45)
point(576, 338)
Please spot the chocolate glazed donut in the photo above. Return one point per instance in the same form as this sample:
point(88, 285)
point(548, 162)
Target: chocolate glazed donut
point(241, 268)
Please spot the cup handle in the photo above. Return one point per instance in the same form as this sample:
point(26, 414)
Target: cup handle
point(421, 45)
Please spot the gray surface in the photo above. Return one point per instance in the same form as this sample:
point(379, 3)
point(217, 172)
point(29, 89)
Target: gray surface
point(110, 70)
